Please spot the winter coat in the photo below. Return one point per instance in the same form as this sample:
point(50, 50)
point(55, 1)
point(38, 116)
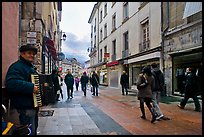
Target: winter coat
point(159, 79)
point(69, 80)
point(124, 79)
point(145, 92)
point(18, 84)
point(191, 85)
point(94, 80)
point(84, 79)
point(55, 82)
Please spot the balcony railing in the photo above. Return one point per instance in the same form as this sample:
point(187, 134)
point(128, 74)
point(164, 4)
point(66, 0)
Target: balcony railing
point(125, 53)
point(143, 46)
point(113, 57)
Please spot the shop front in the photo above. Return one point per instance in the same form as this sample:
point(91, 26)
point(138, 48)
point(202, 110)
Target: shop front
point(180, 63)
point(103, 76)
point(113, 69)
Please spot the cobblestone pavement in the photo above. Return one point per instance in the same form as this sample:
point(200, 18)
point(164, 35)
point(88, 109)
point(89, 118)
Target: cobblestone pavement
point(111, 113)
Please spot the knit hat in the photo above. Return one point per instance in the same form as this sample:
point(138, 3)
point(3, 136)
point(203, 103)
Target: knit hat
point(28, 47)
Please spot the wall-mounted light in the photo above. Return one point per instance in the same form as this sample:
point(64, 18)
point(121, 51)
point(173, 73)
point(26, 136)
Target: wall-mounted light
point(90, 49)
point(64, 37)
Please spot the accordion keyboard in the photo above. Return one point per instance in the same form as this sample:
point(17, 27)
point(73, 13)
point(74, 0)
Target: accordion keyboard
point(36, 96)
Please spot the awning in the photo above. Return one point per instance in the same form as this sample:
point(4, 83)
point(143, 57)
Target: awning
point(192, 8)
point(51, 47)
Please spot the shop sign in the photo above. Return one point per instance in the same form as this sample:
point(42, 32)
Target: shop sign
point(31, 34)
point(106, 55)
point(31, 41)
point(112, 63)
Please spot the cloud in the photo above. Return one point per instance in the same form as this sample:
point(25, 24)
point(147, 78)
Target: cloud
point(76, 48)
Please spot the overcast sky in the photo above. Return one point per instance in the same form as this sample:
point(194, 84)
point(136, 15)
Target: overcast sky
point(74, 23)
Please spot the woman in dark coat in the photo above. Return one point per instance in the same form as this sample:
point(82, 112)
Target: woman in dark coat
point(145, 84)
point(55, 81)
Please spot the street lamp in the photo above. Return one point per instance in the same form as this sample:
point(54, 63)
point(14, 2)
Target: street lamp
point(64, 36)
point(90, 49)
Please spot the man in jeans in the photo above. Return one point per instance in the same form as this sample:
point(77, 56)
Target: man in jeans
point(156, 92)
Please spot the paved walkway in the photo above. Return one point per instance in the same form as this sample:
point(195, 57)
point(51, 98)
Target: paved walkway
point(114, 114)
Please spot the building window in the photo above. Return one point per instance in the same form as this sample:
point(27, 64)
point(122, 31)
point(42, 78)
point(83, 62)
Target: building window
point(105, 30)
point(95, 41)
point(144, 45)
point(125, 37)
point(113, 56)
point(125, 11)
point(101, 15)
point(114, 22)
point(105, 9)
point(114, 47)
point(145, 29)
point(101, 35)
point(95, 26)
point(101, 55)
point(105, 49)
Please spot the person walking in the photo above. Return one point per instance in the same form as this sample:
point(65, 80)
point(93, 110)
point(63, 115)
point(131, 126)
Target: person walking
point(21, 89)
point(77, 80)
point(60, 79)
point(124, 82)
point(145, 84)
point(69, 81)
point(56, 84)
point(84, 81)
point(95, 83)
point(157, 90)
point(190, 90)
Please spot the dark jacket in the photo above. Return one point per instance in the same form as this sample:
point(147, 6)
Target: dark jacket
point(94, 80)
point(18, 84)
point(84, 79)
point(191, 84)
point(69, 80)
point(159, 79)
point(55, 81)
point(124, 79)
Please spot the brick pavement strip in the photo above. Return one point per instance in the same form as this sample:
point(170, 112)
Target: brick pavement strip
point(89, 115)
point(127, 114)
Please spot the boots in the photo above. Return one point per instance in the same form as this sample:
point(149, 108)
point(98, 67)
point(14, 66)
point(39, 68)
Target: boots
point(58, 97)
point(142, 110)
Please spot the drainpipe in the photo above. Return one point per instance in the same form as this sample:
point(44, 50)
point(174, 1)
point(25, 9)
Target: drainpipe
point(163, 30)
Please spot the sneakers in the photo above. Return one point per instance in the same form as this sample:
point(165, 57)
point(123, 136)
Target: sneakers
point(165, 118)
point(159, 117)
point(181, 107)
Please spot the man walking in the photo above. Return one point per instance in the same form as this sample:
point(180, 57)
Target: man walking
point(95, 83)
point(21, 89)
point(190, 90)
point(84, 81)
point(156, 92)
point(124, 82)
point(69, 81)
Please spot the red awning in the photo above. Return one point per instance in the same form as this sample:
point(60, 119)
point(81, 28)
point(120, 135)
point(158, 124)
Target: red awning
point(51, 48)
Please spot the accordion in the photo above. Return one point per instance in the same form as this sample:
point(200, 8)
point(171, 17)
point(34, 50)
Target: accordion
point(46, 94)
